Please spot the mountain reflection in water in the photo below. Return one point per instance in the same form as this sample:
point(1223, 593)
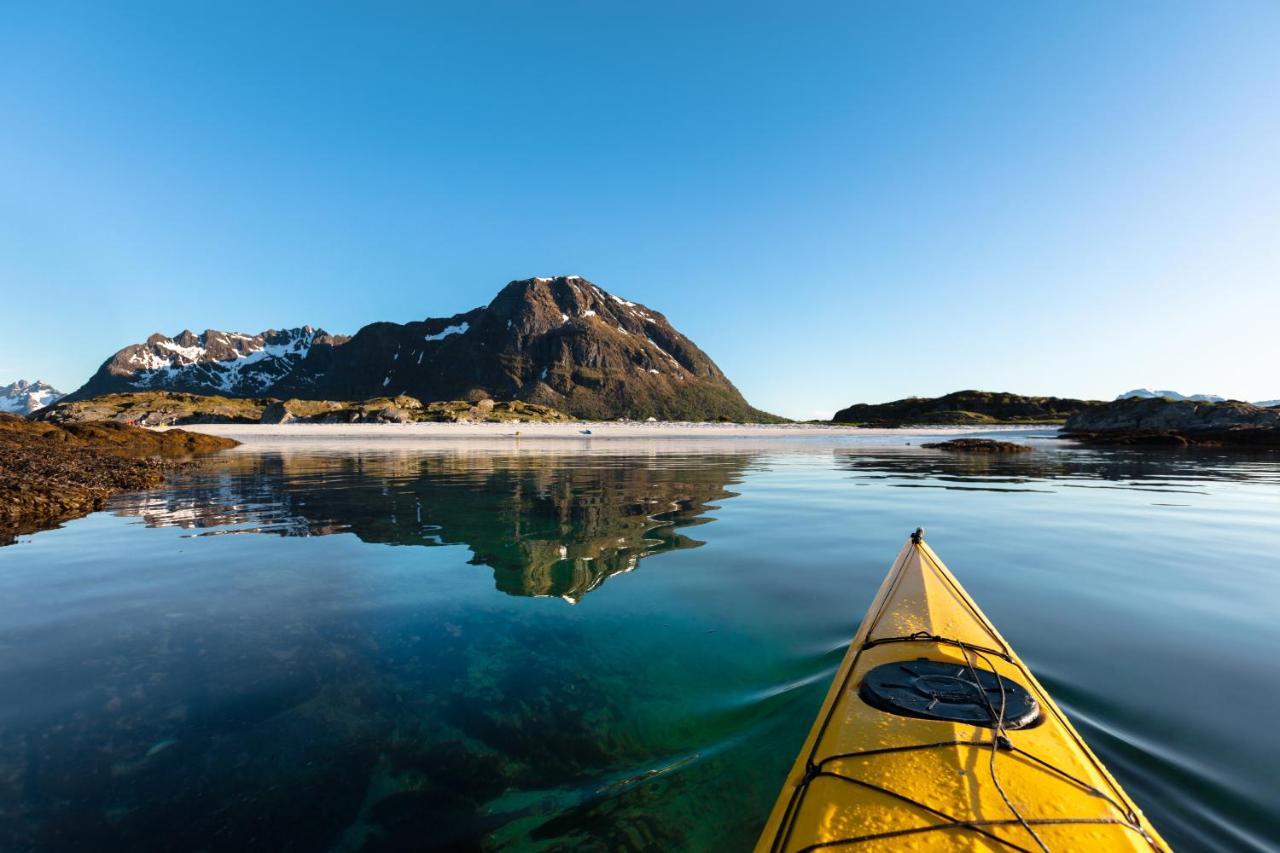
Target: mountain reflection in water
point(546, 525)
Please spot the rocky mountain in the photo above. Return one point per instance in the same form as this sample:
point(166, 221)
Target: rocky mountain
point(562, 342)
point(23, 397)
point(963, 407)
point(1170, 395)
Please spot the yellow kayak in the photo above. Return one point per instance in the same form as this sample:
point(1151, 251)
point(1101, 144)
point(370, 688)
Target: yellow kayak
point(935, 736)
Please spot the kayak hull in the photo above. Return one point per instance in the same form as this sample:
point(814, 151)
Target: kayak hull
point(879, 779)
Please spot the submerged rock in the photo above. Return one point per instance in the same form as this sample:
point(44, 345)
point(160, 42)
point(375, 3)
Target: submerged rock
point(978, 445)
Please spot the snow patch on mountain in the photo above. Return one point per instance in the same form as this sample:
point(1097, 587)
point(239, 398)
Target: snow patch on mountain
point(460, 329)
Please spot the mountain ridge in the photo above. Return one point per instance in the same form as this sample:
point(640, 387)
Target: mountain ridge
point(212, 362)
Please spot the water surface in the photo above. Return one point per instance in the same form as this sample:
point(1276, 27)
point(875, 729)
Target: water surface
point(590, 648)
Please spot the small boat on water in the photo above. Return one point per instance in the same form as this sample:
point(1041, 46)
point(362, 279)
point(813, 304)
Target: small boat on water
point(936, 736)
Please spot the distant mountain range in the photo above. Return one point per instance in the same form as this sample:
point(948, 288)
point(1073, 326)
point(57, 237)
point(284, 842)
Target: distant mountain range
point(226, 363)
point(1170, 395)
point(23, 397)
point(562, 342)
point(1174, 395)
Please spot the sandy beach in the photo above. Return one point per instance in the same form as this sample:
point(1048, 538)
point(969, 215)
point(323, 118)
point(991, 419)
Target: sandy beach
point(577, 434)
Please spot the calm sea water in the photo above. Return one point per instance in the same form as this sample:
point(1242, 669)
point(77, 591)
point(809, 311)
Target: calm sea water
point(574, 648)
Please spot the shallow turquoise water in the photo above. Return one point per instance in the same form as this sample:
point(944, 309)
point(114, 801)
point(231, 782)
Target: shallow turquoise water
point(577, 649)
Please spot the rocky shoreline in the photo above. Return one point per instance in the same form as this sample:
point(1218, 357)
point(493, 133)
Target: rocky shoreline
point(1162, 422)
point(50, 473)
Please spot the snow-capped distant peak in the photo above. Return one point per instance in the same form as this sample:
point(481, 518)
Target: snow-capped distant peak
point(1171, 395)
point(216, 362)
point(23, 397)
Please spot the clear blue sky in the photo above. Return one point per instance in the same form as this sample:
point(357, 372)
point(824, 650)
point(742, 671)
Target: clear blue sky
point(839, 202)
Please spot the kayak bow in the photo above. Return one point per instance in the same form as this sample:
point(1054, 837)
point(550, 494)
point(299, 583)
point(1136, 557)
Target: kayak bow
point(935, 736)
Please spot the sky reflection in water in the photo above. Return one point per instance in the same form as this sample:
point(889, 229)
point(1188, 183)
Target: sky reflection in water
point(613, 651)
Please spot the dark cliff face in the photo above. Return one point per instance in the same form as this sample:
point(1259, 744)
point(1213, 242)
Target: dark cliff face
point(562, 342)
point(961, 407)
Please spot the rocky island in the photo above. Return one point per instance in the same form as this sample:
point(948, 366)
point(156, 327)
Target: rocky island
point(977, 445)
point(963, 407)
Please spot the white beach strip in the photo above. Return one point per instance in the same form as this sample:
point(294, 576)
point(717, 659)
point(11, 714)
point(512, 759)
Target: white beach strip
point(254, 436)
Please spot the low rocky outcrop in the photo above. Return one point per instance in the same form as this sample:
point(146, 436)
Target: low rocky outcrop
point(963, 407)
point(51, 472)
point(1167, 422)
point(159, 408)
point(404, 409)
point(511, 411)
point(977, 445)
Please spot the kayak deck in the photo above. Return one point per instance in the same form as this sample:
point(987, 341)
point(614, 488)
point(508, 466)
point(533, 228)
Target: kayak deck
point(878, 779)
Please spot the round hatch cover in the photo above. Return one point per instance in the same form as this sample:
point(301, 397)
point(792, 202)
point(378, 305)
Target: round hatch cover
point(938, 690)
